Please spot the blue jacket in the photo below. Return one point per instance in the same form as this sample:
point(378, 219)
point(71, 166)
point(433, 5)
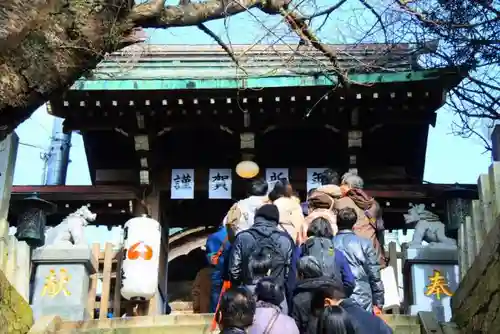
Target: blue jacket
point(213, 245)
point(348, 279)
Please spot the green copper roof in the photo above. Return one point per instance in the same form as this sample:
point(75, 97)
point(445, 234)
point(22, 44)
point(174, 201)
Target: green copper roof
point(149, 67)
point(253, 82)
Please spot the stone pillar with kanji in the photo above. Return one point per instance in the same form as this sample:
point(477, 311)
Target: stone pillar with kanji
point(430, 265)
point(61, 283)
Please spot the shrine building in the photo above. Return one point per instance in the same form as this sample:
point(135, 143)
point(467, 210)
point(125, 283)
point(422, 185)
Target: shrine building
point(167, 125)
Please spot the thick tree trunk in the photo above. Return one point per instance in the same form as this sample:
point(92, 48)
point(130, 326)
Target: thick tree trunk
point(45, 45)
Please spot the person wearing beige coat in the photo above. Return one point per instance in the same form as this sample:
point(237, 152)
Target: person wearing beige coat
point(291, 216)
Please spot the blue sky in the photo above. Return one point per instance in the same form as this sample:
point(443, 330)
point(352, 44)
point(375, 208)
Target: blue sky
point(450, 158)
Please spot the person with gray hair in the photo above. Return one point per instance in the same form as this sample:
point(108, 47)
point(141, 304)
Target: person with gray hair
point(311, 281)
point(352, 180)
point(370, 223)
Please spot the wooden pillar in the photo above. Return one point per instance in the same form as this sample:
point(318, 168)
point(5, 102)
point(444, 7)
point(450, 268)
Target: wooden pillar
point(470, 248)
point(153, 203)
point(485, 198)
point(354, 140)
point(494, 176)
point(495, 143)
point(478, 223)
point(8, 154)
point(463, 261)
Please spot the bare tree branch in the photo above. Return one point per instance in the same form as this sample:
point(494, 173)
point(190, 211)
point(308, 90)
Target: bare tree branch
point(223, 45)
point(148, 16)
point(299, 25)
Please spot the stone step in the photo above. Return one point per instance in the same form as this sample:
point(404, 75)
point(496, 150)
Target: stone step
point(181, 306)
point(181, 323)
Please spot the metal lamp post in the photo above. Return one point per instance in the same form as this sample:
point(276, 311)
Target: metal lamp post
point(458, 205)
point(32, 216)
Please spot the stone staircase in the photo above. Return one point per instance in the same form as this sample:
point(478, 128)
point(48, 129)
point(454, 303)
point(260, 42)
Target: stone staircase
point(183, 323)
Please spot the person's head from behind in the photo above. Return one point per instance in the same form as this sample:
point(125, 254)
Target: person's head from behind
point(352, 180)
point(268, 212)
point(330, 177)
point(329, 295)
point(260, 265)
point(236, 308)
point(257, 187)
point(308, 267)
point(282, 188)
point(267, 290)
point(310, 192)
point(334, 320)
point(321, 228)
point(346, 218)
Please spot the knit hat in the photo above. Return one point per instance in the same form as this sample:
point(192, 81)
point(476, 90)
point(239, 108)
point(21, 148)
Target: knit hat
point(268, 212)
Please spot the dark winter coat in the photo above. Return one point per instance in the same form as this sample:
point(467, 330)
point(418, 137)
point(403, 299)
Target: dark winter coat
point(301, 302)
point(364, 322)
point(233, 330)
point(245, 244)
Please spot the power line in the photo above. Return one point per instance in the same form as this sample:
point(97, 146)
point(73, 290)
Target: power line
point(32, 145)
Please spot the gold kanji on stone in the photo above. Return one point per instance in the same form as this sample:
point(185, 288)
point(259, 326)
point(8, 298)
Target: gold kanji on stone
point(55, 284)
point(437, 286)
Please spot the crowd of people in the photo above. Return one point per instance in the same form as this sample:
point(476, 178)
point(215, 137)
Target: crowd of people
point(279, 265)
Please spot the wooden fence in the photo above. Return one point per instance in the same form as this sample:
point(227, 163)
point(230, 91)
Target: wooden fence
point(473, 233)
point(110, 301)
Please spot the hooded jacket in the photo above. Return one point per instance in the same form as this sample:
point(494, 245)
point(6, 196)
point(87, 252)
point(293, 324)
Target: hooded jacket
point(301, 302)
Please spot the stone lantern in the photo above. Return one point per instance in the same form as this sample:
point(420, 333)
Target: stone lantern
point(458, 205)
point(32, 216)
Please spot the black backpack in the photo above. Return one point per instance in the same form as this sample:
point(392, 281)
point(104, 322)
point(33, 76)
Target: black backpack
point(322, 249)
point(269, 245)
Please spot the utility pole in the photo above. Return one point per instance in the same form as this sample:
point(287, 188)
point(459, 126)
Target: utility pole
point(57, 157)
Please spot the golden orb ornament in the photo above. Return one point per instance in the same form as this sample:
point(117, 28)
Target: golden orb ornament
point(247, 169)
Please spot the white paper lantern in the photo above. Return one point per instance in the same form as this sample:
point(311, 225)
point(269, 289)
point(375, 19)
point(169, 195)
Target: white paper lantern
point(142, 258)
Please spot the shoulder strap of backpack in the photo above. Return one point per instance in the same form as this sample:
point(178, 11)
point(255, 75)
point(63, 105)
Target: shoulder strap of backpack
point(215, 258)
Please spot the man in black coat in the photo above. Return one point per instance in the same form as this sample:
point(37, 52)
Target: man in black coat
point(263, 237)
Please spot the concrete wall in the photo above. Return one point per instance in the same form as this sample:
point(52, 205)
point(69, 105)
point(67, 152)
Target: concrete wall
point(16, 316)
point(476, 303)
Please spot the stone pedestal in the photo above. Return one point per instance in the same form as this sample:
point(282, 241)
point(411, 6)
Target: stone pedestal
point(431, 277)
point(61, 283)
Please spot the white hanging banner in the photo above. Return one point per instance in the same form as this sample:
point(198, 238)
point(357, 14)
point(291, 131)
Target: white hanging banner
point(182, 184)
point(314, 177)
point(275, 174)
point(219, 183)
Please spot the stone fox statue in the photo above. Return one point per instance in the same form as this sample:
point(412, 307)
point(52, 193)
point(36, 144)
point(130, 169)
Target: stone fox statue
point(71, 230)
point(429, 228)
